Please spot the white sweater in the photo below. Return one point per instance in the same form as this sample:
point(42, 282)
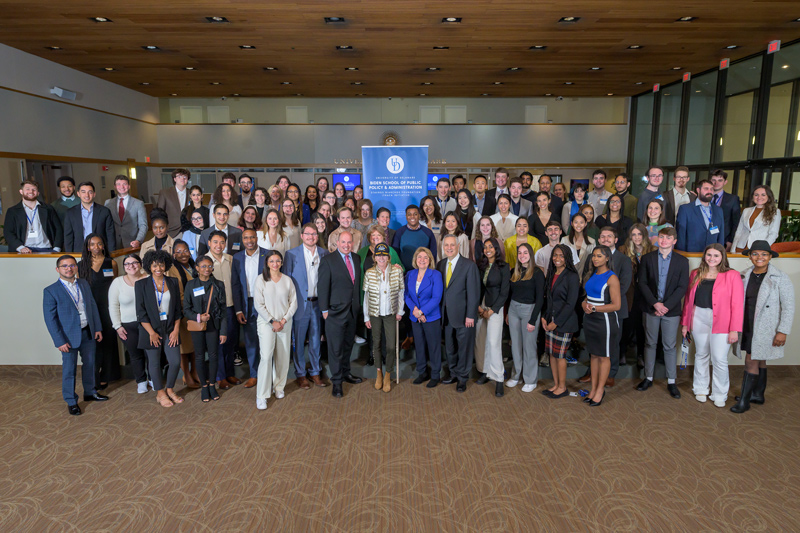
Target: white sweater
point(121, 303)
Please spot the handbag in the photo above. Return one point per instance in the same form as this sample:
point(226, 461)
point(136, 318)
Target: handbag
point(194, 325)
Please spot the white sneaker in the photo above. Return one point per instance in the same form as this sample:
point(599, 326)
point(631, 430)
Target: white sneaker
point(279, 394)
point(360, 340)
point(528, 387)
point(719, 403)
point(141, 388)
point(261, 404)
point(511, 383)
point(701, 398)
point(150, 384)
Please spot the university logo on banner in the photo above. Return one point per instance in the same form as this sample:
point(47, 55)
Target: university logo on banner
point(395, 177)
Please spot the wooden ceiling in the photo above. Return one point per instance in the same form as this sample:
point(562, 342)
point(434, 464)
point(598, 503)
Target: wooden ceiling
point(393, 44)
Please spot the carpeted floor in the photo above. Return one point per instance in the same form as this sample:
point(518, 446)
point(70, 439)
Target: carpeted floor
point(412, 460)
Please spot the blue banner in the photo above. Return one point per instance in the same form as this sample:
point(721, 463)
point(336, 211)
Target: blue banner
point(395, 177)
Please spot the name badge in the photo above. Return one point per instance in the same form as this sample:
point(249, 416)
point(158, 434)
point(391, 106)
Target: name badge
point(162, 315)
point(33, 234)
point(237, 246)
point(603, 200)
point(199, 291)
point(108, 272)
point(713, 230)
point(659, 197)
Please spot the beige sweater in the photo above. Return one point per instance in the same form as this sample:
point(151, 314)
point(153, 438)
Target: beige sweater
point(275, 301)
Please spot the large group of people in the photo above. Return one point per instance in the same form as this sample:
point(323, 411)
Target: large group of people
point(298, 275)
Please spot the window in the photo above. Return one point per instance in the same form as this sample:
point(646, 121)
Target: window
point(669, 125)
point(700, 124)
point(641, 143)
point(741, 95)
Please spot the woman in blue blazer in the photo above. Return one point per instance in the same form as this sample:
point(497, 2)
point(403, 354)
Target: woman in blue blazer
point(423, 294)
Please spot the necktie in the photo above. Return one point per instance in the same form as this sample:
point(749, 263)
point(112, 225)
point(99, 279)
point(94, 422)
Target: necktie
point(121, 208)
point(350, 268)
point(449, 274)
point(716, 199)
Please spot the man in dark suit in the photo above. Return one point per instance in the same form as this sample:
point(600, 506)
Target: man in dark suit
point(663, 279)
point(245, 190)
point(174, 199)
point(678, 196)
point(339, 280)
point(234, 234)
point(302, 264)
point(501, 187)
point(85, 218)
point(462, 292)
point(247, 266)
point(700, 223)
point(128, 213)
point(729, 203)
point(32, 226)
point(72, 319)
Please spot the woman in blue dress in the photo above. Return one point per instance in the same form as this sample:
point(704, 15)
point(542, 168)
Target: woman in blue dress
point(601, 325)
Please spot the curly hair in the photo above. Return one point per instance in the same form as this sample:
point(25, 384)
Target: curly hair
point(156, 256)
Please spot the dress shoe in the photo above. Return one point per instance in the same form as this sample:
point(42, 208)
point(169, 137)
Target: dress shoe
point(302, 382)
point(587, 400)
point(483, 380)
point(96, 397)
point(610, 382)
point(316, 380)
point(432, 383)
point(233, 380)
point(596, 404)
point(586, 378)
point(449, 381)
point(250, 383)
point(350, 378)
point(101, 386)
point(422, 378)
point(546, 392)
point(337, 391)
point(74, 409)
point(379, 380)
point(498, 389)
point(461, 387)
point(407, 343)
point(673, 391)
point(387, 382)
point(644, 385)
point(223, 385)
point(554, 396)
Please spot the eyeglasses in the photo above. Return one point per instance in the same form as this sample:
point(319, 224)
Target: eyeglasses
point(69, 267)
point(307, 234)
point(131, 263)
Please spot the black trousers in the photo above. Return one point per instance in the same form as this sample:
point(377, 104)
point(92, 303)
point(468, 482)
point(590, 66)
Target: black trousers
point(138, 358)
point(340, 331)
point(206, 341)
point(459, 345)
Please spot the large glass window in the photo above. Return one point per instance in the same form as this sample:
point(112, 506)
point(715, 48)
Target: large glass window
point(699, 127)
point(641, 142)
point(785, 75)
point(669, 125)
point(740, 98)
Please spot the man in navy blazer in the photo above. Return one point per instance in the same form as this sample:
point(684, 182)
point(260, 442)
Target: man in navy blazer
point(72, 319)
point(85, 218)
point(247, 266)
point(700, 223)
point(302, 265)
point(729, 203)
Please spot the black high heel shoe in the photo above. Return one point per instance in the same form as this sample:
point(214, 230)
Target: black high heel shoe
point(204, 395)
point(212, 392)
point(595, 404)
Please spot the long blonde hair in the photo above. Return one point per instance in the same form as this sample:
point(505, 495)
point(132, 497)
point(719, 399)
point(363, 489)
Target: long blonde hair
point(703, 269)
point(629, 248)
point(518, 275)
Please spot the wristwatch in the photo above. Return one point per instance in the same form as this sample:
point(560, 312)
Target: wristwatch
point(594, 309)
point(271, 320)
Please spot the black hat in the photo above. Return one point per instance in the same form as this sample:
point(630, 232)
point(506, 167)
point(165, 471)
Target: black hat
point(760, 246)
point(381, 249)
point(64, 178)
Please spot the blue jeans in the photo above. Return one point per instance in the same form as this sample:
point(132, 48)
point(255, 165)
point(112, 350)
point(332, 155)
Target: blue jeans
point(225, 369)
point(69, 367)
point(308, 324)
point(251, 339)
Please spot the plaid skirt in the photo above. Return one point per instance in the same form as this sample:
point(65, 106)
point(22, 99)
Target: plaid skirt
point(556, 344)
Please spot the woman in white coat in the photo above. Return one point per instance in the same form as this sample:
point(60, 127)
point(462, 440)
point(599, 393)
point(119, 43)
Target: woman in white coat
point(768, 316)
point(760, 222)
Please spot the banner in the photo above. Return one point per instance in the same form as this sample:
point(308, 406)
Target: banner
point(395, 177)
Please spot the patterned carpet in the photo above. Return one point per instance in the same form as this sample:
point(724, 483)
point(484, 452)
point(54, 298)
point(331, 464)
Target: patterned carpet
point(411, 460)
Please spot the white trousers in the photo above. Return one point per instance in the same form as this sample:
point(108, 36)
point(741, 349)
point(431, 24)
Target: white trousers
point(489, 346)
point(713, 347)
point(275, 350)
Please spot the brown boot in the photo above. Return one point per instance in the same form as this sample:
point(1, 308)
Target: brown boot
point(379, 380)
point(387, 382)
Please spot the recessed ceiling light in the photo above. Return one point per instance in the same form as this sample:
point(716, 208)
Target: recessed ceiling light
point(361, 94)
point(686, 19)
point(286, 83)
point(732, 46)
point(569, 20)
point(344, 47)
point(697, 91)
point(610, 94)
point(548, 94)
point(270, 68)
point(498, 83)
point(357, 83)
point(676, 68)
point(174, 94)
point(100, 19)
point(639, 83)
point(217, 20)
point(426, 83)
point(108, 69)
point(236, 94)
point(422, 94)
point(513, 69)
point(188, 68)
point(144, 83)
point(785, 66)
point(298, 94)
point(596, 68)
point(54, 48)
point(796, 20)
point(451, 20)
point(351, 68)
point(247, 47)
point(568, 83)
point(537, 47)
point(441, 48)
point(334, 20)
point(635, 47)
point(433, 69)
point(151, 48)
point(214, 83)
point(485, 94)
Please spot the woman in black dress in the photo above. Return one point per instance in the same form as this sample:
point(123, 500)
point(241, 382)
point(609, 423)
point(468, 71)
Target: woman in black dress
point(538, 220)
point(97, 267)
point(614, 217)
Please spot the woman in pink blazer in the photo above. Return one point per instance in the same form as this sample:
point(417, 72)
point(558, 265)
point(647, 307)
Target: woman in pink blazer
point(713, 311)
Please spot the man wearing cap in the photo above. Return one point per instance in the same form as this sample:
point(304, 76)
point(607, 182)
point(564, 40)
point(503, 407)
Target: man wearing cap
point(67, 198)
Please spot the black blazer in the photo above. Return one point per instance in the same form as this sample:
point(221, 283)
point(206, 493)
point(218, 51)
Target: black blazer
point(556, 206)
point(670, 213)
point(147, 310)
point(337, 294)
point(495, 291)
point(102, 223)
point(732, 212)
point(461, 298)
point(677, 282)
point(16, 226)
point(623, 227)
point(561, 301)
point(196, 305)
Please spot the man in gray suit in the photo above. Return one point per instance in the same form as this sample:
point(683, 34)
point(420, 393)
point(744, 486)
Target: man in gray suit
point(128, 214)
point(519, 205)
point(174, 199)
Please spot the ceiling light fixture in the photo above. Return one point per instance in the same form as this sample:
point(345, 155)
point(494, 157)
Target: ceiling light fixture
point(596, 68)
point(351, 68)
point(485, 94)
point(344, 47)
point(635, 47)
point(433, 69)
point(217, 20)
point(498, 83)
point(610, 94)
point(334, 20)
point(236, 94)
point(108, 69)
point(151, 48)
point(173, 94)
point(426, 83)
point(144, 83)
point(732, 46)
point(441, 48)
point(270, 68)
point(247, 47)
point(686, 19)
point(677, 68)
point(568, 83)
point(513, 69)
point(100, 19)
point(286, 83)
point(548, 94)
point(568, 20)
point(188, 68)
point(214, 83)
point(537, 47)
point(422, 94)
point(54, 48)
point(451, 20)
point(357, 83)
point(785, 66)
point(639, 83)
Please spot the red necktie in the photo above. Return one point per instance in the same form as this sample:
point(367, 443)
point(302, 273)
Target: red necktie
point(121, 209)
point(350, 268)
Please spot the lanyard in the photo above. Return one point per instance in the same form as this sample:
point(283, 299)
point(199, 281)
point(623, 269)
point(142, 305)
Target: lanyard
point(707, 215)
point(160, 296)
point(76, 301)
point(31, 219)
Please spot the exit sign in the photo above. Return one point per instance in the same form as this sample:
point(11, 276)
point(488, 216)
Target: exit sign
point(773, 47)
point(656, 87)
point(687, 76)
point(725, 63)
